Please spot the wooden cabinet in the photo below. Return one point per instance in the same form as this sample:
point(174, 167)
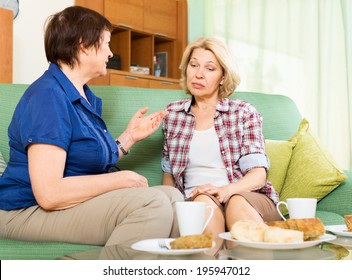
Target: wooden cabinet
point(123, 78)
point(6, 46)
point(127, 13)
point(160, 17)
point(142, 29)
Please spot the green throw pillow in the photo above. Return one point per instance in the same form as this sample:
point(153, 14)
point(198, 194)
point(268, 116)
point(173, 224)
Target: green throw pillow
point(312, 171)
point(2, 164)
point(279, 153)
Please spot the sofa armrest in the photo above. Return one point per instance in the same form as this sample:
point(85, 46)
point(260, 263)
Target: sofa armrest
point(339, 200)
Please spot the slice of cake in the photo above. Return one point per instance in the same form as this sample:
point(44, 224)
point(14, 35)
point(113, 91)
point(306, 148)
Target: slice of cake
point(348, 221)
point(279, 235)
point(248, 231)
point(192, 241)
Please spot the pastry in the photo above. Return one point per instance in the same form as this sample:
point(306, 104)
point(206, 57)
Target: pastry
point(248, 231)
point(192, 241)
point(279, 235)
point(252, 231)
point(313, 228)
point(348, 221)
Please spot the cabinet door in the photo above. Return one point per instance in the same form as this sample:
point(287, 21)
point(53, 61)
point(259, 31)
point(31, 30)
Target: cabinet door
point(164, 84)
point(127, 13)
point(160, 17)
point(129, 81)
point(6, 52)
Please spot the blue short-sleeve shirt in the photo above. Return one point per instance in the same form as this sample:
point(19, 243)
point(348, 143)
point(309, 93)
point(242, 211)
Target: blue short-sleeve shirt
point(52, 111)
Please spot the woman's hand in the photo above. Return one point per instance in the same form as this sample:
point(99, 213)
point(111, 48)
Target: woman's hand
point(141, 126)
point(220, 193)
point(132, 179)
point(253, 180)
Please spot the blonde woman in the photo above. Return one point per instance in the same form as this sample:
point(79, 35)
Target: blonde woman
point(214, 149)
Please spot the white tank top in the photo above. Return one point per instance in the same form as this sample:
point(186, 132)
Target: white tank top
point(205, 164)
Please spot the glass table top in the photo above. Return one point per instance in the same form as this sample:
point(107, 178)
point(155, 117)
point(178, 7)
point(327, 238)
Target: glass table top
point(340, 248)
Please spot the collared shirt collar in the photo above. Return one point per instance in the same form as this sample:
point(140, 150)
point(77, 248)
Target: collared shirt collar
point(71, 91)
point(222, 106)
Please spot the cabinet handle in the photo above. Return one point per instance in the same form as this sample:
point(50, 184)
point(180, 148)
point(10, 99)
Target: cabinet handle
point(124, 25)
point(160, 35)
point(131, 77)
point(167, 83)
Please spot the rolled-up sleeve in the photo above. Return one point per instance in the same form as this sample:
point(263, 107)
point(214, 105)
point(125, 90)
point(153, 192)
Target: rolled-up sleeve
point(251, 161)
point(165, 165)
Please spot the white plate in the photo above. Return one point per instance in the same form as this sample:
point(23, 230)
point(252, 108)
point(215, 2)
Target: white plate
point(339, 230)
point(151, 246)
point(278, 246)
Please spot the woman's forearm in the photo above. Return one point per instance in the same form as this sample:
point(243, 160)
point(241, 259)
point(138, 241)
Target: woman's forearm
point(54, 192)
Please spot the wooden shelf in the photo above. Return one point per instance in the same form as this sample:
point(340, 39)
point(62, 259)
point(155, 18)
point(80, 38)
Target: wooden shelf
point(143, 28)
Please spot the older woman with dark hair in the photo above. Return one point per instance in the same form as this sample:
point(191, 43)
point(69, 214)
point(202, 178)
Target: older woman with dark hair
point(61, 182)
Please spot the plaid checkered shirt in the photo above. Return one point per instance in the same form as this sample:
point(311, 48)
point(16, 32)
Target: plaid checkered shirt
point(239, 128)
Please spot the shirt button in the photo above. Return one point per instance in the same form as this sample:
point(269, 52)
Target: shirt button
point(30, 140)
point(105, 130)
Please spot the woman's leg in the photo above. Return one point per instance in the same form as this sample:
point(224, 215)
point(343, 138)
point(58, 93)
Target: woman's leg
point(216, 224)
point(250, 206)
point(174, 195)
point(117, 217)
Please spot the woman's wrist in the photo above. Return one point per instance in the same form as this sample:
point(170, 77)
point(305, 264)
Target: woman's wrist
point(124, 142)
point(118, 143)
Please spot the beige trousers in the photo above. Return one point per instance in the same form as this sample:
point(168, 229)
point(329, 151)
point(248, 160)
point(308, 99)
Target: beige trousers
point(117, 217)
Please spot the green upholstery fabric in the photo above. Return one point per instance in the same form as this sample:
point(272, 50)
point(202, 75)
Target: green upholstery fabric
point(339, 200)
point(21, 250)
point(281, 116)
point(2, 164)
point(279, 153)
point(330, 218)
point(281, 119)
point(9, 96)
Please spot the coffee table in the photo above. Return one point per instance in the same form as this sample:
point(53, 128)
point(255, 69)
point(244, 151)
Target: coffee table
point(338, 249)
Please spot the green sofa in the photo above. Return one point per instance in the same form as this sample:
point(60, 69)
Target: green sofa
point(281, 120)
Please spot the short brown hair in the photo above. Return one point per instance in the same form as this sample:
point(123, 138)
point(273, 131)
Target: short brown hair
point(66, 30)
point(222, 54)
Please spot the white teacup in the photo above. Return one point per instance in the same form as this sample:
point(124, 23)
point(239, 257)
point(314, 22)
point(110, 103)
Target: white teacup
point(299, 208)
point(191, 215)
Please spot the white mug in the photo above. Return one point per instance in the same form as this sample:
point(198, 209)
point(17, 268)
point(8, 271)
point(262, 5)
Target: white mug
point(299, 208)
point(190, 217)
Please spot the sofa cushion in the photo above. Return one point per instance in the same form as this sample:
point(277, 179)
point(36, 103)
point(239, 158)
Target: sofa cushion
point(2, 164)
point(25, 250)
point(279, 153)
point(329, 218)
point(312, 171)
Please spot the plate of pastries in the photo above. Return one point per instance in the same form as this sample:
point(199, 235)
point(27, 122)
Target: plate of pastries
point(344, 229)
point(184, 245)
point(278, 235)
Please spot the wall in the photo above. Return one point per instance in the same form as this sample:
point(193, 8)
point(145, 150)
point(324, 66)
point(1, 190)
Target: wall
point(29, 60)
point(195, 24)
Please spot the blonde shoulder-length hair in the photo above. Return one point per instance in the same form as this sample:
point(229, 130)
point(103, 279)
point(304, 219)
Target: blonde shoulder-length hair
point(223, 55)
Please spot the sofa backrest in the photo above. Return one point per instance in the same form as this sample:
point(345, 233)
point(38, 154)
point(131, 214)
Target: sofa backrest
point(10, 94)
point(280, 119)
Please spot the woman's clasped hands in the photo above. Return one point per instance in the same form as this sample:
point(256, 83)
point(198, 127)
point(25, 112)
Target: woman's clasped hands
point(222, 194)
